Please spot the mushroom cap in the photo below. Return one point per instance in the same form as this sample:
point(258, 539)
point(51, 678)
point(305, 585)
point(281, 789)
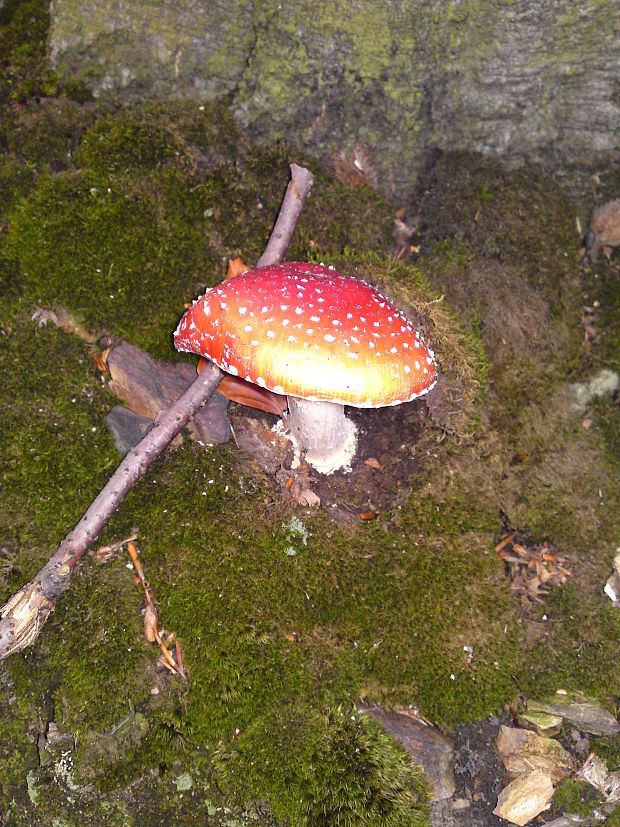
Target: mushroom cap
point(305, 330)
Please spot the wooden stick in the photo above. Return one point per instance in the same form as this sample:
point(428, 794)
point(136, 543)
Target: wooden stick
point(296, 193)
point(23, 615)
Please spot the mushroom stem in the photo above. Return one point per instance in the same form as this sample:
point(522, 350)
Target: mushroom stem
point(323, 432)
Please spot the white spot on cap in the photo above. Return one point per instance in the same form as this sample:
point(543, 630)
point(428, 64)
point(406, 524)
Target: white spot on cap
point(371, 344)
point(264, 309)
point(248, 328)
point(232, 369)
point(309, 331)
point(284, 307)
point(417, 365)
point(271, 334)
point(254, 342)
point(285, 322)
point(352, 355)
point(260, 381)
point(329, 338)
point(292, 339)
point(299, 311)
point(243, 311)
point(314, 319)
point(278, 389)
point(336, 322)
point(407, 369)
point(393, 350)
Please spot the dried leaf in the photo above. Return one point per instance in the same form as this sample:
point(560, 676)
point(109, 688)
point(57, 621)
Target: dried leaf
point(100, 358)
point(179, 654)
point(235, 267)
point(307, 497)
point(133, 553)
point(540, 559)
point(373, 462)
point(105, 553)
point(504, 542)
point(150, 622)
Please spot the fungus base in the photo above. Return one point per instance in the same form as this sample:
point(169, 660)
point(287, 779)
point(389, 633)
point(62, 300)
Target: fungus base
point(324, 433)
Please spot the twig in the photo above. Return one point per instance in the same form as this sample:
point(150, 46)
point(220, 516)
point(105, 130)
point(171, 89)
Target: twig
point(296, 193)
point(24, 614)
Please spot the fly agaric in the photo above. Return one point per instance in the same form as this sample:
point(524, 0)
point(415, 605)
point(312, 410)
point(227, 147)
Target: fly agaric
point(322, 339)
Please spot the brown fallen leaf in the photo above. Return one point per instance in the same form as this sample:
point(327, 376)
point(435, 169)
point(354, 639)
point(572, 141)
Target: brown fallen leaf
point(151, 622)
point(236, 266)
point(179, 653)
point(152, 631)
point(309, 498)
point(105, 553)
point(522, 561)
point(373, 462)
point(100, 358)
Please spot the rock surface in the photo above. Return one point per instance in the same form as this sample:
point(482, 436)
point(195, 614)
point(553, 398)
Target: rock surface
point(372, 85)
point(427, 746)
point(525, 797)
point(584, 713)
point(522, 750)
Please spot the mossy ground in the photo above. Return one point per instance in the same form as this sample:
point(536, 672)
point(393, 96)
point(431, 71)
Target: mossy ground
point(122, 216)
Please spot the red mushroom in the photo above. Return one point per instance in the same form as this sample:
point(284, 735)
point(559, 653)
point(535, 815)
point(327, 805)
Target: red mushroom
point(322, 339)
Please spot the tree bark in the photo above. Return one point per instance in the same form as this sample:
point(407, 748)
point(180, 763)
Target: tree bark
point(23, 616)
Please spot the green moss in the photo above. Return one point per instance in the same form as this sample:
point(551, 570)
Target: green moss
point(576, 797)
point(192, 135)
point(608, 750)
point(279, 648)
point(336, 769)
point(23, 41)
point(17, 748)
point(150, 211)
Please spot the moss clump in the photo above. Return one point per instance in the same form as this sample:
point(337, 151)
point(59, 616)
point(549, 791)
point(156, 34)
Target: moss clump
point(340, 769)
point(23, 41)
point(150, 209)
point(17, 750)
point(576, 797)
point(193, 136)
point(488, 248)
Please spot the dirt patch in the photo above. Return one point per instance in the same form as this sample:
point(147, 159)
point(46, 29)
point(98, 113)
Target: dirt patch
point(383, 472)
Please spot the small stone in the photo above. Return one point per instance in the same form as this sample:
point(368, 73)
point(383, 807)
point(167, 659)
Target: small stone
point(612, 586)
point(612, 787)
point(582, 712)
point(582, 747)
point(525, 797)
point(428, 747)
point(523, 750)
point(460, 804)
point(594, 771)
point(544, 723)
